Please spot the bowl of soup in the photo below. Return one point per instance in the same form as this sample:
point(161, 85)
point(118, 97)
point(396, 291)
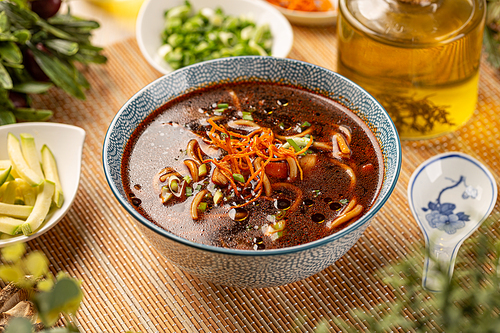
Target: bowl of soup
point(252, 171)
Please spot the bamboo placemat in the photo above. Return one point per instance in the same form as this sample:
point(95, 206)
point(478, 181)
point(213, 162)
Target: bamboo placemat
point(130, 286)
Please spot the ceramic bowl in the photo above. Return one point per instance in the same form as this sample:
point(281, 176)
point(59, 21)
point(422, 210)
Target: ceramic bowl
point(66, 144)
point(150, 23)
point(311, 19)
point(243, 268)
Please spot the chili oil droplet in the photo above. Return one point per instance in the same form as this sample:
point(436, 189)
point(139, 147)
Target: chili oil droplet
point(318, 217)
point(335, 206)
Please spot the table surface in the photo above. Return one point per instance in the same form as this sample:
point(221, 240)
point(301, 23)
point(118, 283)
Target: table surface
point(128, 285)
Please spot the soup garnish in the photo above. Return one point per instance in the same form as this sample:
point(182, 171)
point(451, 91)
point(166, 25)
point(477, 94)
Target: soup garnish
point(252, 166)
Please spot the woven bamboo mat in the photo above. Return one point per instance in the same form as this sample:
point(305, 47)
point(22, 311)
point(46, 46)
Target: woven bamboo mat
point(130, 286)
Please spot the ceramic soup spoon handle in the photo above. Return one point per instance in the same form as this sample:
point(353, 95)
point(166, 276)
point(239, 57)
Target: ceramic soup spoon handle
point(450, 196)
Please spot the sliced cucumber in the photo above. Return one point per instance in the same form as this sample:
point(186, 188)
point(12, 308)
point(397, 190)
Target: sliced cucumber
point(40, 209)
point(4, 164)
point(9, 195)
point(9, 225)
point(18, 211)
point(4, 175)
point(51, 173)
point(19, 163)
point(30, 153)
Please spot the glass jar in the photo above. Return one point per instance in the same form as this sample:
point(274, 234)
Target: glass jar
point(418, 58)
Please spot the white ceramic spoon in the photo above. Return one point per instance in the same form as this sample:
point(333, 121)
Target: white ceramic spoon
point(450, 195)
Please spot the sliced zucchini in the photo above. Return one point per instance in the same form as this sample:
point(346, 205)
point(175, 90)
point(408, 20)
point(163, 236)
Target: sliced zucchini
point(9, 225)
point(40, 209)
point(52, 174)
point(17, 211)
point(30, 153)
point(19, 163)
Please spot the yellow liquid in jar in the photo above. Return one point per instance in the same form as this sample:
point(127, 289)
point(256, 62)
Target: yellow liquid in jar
point(428, 87)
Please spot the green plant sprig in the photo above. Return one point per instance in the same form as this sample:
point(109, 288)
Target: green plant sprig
point(52, 296)
point(469, 302)
point(491, 40)
point(57, 45)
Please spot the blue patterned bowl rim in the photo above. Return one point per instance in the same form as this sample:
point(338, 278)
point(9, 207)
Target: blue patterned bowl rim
point(385, 192)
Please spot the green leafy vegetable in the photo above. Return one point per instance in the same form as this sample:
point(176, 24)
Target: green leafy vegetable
point(37, 54)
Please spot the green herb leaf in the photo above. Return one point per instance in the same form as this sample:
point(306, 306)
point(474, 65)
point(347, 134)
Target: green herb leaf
point(10, 52)
point(63, 46)
point(22, 16)
point(7, 117)
point(5, 79)
point(28, 114)
point(13, 253)
point(492, 47)
point(32, 87)
point(65, 297)
point(58, 73)
point(22, 36)
point(4, 22)
point(343, 201)
point(37, 264)
point(19, 325)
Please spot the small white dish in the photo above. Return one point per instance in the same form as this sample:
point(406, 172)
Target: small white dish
point(312, 19)
point(450, 196)
point(66, 144)
point(150, 23)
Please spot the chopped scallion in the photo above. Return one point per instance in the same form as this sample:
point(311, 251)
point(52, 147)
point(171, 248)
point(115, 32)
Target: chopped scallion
point(247, 116)
point(292, 143)
point(222, 105)
point(219, 110)
point(238, 177)
point(305, 124)
point(188, 179)
point(202, 206)
point(198, 187)
point(343, 201)
point(189, 191)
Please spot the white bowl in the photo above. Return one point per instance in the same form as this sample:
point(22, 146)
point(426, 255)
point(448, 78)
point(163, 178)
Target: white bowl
point(312, 19)
point(150, 23)
point(66, 144)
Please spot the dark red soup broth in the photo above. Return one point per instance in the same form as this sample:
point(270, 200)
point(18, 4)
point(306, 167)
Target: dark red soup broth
point(284, 166)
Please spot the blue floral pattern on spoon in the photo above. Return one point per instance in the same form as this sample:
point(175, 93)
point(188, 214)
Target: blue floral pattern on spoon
point(442, 215)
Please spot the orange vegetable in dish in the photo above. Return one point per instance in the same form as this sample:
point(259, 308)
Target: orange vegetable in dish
point(304, 5)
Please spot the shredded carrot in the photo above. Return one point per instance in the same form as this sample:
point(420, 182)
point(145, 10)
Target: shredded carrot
point(242, 150)
point(304, 5)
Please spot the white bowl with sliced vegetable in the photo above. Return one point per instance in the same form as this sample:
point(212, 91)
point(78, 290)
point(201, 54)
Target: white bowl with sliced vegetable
point(40, 167)
point(174, 34)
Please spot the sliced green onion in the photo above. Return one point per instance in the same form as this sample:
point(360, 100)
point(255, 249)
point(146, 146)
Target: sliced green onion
point(247, 116)
point(189, 191)
point(316, 192)
point(202, 206)
point(292, 143)
point(198, 188)
point(222, 105)
point(238, 177)
point(219, 110)
point(343, 201)
point(188, 179)
point(305, 124)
